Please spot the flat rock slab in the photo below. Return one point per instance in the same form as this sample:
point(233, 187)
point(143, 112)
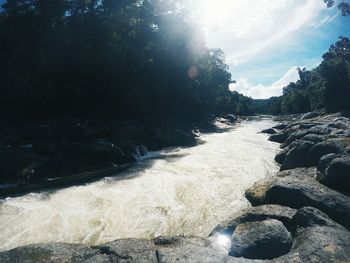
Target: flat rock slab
point(261, 240)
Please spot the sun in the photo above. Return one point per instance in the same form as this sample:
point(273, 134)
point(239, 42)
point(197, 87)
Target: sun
point(216, 13)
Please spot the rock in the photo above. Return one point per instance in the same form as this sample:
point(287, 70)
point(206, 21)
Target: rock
point(321, 149)
point(310, 115)
point(55, 253)
point(18, 164)
point(130, 250)
point(178, 138)
point(258, 213)
point(310, 217)
point(321, 244)
point(324, 162)
point(269, 131)
point(191, 250)
point(337, 175)
point(297, 156)
point(296, 193)
point(281, 156)
point(280, 126)
point(257, 193)
point(299, 173)
point(266, 239)
point(279, 137)
point(313, 138)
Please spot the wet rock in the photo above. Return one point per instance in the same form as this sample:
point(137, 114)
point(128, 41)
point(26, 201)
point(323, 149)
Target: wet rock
point(258, 213)
point(337, 174)
point(261, 240)
point(269, 131)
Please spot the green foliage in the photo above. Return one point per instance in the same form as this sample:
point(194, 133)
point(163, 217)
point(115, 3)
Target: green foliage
point(113, 58)
point(327, 86)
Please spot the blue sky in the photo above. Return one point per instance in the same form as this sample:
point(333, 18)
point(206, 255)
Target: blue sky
point(266, 40)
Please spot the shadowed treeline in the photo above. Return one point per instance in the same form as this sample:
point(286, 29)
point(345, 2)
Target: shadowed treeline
point(116, 59)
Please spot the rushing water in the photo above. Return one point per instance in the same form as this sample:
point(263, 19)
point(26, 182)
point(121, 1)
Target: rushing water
point(186, 192)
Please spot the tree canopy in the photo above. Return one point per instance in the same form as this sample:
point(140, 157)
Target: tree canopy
point(123, 59)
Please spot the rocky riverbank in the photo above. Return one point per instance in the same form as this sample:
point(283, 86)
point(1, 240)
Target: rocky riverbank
point(66, 151)
point(301, 214)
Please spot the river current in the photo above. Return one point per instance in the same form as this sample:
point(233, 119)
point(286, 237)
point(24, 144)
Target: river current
point(183, 191)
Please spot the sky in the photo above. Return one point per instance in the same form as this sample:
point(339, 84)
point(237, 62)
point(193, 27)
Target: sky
point(265, 41)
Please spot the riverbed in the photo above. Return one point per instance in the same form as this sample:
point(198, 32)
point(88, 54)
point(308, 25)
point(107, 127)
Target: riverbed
point(182, 191)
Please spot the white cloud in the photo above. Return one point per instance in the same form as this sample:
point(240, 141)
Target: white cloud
point(326, 20)
point(248, 28)
point(261, 91)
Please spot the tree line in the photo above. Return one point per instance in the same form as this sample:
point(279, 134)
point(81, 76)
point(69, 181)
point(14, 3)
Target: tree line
point(120, 59)
point(325, 87)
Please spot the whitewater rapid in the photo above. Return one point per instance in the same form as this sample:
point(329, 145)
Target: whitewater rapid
point(184, 191)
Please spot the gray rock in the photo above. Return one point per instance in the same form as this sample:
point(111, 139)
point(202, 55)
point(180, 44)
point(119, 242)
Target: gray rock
point(261, 240)
point(337, 175)
point(313, 138)
point(297, 156)
point(269, 131)
point(191, 250)
point(281, 156)
point(280, 126)
point(310, 115)
point(278, 137)
point(321, 149)
point(297, 193)
point(299, 173)
point(321, 244)
point(324, 162)
point(310, 217)
point(258, 213)
point(55, 253)
point(130, 250)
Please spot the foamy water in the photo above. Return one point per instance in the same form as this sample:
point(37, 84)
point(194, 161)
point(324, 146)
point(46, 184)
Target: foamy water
point(187, 192)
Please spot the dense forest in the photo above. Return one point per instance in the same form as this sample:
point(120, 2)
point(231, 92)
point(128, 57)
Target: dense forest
point(324, 87)
point(113, 59)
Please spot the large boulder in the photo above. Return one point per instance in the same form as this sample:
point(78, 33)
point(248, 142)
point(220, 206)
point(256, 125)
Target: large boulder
point(317, 238)
point(261, 240)
point(297, 156)
point(337, 174)
point(321, 149)
point(297, 193)
point(279, 137)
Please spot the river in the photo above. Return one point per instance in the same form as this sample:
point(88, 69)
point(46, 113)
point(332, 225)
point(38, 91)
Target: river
point(183, 191)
